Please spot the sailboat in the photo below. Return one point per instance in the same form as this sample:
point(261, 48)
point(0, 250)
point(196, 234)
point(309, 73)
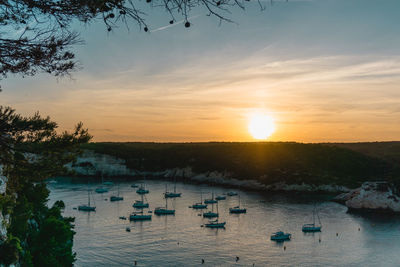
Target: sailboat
point(101, 189)
point(215, 224)
point(140, 204)
point(220, 198)
point(139, 216)
point(211, 214)
point(237, 209)
point(200, 204)
point(312, 227)
point(142, 189)
point(164, 210)
point(117, 197)
point(87, 207)
point(172, 194)
point(210, 201)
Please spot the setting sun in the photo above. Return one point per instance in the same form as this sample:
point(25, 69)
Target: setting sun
point(261, 126)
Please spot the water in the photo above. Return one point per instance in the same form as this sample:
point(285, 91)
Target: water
point(101, 239)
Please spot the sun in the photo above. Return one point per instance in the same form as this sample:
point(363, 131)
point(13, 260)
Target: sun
point(261, 126)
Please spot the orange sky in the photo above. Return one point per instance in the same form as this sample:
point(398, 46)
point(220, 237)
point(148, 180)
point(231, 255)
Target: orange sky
point(325, 72)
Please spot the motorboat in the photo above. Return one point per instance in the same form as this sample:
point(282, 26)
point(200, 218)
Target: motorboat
point(280, 236)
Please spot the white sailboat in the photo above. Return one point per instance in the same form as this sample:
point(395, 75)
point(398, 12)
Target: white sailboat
point(200, 204)
point(211, 214)
point(142, 189)
point(101, 189)
point(139, 216)
point(172, 194)
point(164, 210)
point(87, 207)
point(210, 200)
point(140, 204)
point(312, 227)
point(117, 197)
point(237, 209)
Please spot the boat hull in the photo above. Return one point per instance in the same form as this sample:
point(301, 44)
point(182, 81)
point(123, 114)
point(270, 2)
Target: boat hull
point(86, 208)
point(210, 215)
point(199, 206)
point(311, 229)
point(220, 198)
point(210, 201)
point(237, 211)
point(140, 205)
point(114, 198)
point(142, 191)
point(101, 190)
point(172, 195)
point(139, 217)
point(164, 212)
point(215, 225)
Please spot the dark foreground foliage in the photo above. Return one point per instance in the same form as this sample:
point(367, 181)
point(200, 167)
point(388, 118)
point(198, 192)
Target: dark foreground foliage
point(31, 150)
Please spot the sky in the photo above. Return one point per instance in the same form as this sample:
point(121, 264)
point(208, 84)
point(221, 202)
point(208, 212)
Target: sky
point(324, 70)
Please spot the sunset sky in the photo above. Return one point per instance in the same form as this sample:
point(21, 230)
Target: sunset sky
point(324, 70)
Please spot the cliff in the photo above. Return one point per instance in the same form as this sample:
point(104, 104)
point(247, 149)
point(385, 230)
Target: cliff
point(372, 196)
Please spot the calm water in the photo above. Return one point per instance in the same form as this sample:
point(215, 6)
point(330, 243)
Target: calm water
point(101, 239)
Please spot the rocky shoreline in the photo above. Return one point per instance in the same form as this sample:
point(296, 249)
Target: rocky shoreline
point(371, 196)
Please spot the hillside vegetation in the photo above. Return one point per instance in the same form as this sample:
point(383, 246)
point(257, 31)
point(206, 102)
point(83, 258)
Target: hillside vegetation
point(267, 162)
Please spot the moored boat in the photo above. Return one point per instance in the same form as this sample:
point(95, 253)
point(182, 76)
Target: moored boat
point(280, 236)
point(139, 216)
point(164, 210)
point(215, 224)
point(87, 207)
point(237, 209)
point(312, 227)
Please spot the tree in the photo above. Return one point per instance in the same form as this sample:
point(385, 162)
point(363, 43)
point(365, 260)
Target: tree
point(30, 151)
point(36, 35)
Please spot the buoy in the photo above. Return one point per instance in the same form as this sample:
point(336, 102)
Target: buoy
point(237, 258)
point(202, 261)
point(284, 247)
point(337, 234)
point(358, 228)
point(319, 240)
point(135, 263)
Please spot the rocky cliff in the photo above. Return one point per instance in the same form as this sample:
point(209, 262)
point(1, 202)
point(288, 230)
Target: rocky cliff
point(91, 163)
point(372, 196)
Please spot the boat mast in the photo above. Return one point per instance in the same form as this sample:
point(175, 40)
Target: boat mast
point(88, 194)
point(175, 182)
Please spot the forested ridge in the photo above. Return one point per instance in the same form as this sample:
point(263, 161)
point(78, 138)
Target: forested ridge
point(268, 162)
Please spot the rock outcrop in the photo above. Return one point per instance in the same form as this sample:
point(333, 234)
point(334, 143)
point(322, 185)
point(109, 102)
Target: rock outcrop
point(372, 196)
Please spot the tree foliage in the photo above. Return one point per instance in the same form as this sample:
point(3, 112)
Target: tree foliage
point(32, 150)
point(269, 162)
point(36, 35)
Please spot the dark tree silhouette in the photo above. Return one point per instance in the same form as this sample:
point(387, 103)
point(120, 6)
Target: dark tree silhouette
point(36, 35)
